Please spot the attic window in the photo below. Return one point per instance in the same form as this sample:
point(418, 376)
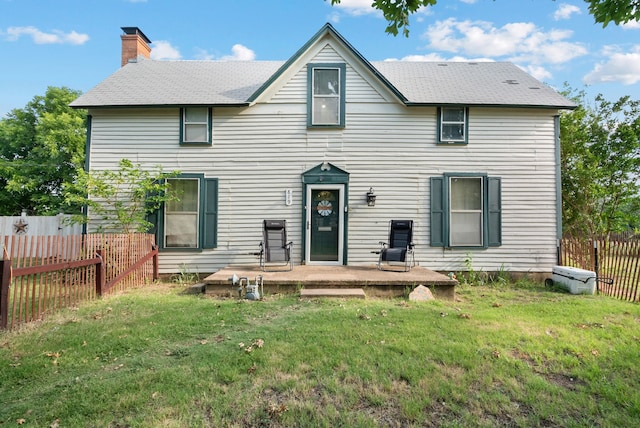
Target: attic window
point(326, 95)
point(195, 125)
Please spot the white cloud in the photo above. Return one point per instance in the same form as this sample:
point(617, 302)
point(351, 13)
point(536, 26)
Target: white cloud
point(518, 41)
point(334, 17)
point(430, 57)
point(202, 54)
point(42, 38)
point(538, 72)
point(357, 7)
point(364, 7)
point(162, 49)
point(434, 57)
point(619, 67)
point(565, 11)
point(631, 25)
point(240, 53)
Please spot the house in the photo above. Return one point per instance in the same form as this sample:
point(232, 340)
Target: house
point(468, 151)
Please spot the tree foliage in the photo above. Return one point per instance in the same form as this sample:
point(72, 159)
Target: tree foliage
point(600, 162)
point(617, 11)
point(397, 12)
point(41, 149)
point(119, 201)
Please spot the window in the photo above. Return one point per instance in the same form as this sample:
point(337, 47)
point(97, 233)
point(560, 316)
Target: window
point(326, 95)
point(189, 221)
point(466, 211)
point(465, 215)
point(195, 125)
point(181, 214)
point(452, 125)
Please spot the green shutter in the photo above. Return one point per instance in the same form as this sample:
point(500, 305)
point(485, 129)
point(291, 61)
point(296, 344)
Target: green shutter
point(495, 211)
point(210, 214)
point(155, 218)
point(438, 214)
point(181, 126)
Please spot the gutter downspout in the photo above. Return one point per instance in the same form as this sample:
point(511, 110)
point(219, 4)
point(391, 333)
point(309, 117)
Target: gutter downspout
point(556, 122)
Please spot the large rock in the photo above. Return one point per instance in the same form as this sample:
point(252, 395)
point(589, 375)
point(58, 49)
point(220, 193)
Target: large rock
point(420, 294)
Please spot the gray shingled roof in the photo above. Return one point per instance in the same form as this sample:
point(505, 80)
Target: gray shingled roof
point(181, 83)
point(469, 83)
point(177, 83)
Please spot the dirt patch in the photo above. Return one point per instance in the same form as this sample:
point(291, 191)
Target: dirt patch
point(563, 380)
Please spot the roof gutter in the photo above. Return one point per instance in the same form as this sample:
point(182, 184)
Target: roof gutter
point(532, 106)
point(119, 106)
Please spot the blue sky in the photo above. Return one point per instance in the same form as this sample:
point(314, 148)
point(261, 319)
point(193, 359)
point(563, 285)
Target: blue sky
point(77, 43)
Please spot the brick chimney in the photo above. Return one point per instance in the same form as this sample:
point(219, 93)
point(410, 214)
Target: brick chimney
point(135, 45)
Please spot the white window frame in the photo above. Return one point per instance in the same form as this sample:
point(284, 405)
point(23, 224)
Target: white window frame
point(338, 98)
point(168, 213)
point(479, 212)
point(333, 98)
point(443, 123)
point(206, 123)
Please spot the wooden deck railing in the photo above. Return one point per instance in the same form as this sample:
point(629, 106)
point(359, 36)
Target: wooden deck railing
point(616, 263)
point(41, 274)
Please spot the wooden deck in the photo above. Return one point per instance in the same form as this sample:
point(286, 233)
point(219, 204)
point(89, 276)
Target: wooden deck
point(373, 281)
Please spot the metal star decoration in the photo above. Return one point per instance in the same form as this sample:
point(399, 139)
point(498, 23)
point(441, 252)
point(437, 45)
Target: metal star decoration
point(21, 227)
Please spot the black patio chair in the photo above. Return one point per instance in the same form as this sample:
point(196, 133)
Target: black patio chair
point(275, 251)
point(398, 252)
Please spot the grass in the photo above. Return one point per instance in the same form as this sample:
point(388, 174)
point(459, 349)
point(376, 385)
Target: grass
point(516, 355)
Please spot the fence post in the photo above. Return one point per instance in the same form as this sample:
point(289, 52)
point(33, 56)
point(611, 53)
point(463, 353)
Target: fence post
point(155, 262)
point(101, 273)
point(5, 283)
point(596, 263)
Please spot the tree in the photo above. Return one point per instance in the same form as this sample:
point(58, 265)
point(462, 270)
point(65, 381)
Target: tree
point(618, 11)
point(41, 148)
point(600, 162)
point(397, 12)
point(120, 200)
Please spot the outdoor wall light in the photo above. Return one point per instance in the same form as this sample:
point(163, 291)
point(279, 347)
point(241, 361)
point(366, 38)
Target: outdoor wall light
point(371, 198)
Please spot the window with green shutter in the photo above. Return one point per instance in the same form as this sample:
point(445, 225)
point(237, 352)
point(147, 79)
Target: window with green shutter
point(466, 211)
point(190, 222)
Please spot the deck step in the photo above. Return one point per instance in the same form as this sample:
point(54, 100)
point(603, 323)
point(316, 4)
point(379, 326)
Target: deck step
point(309, 293)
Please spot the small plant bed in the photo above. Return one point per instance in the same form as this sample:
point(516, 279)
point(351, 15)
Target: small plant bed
point(499, 355)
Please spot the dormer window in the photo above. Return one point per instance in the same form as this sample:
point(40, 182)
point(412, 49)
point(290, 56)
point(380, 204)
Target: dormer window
point(326, 95)
point(195, 125)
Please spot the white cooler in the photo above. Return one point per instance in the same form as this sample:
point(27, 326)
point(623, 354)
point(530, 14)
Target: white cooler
point(577, 281)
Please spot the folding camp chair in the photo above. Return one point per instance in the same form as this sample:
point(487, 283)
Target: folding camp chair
point(274, 248)
point(398, 252)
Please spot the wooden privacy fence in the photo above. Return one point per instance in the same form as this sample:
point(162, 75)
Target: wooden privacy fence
point(41, 274)
point(615, 262)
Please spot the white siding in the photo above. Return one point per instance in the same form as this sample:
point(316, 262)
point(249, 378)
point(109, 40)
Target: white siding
point(260, 151)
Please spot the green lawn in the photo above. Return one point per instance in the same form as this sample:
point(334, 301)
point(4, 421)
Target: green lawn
point(516, 355)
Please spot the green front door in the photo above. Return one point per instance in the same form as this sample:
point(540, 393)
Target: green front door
point(325, 225)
